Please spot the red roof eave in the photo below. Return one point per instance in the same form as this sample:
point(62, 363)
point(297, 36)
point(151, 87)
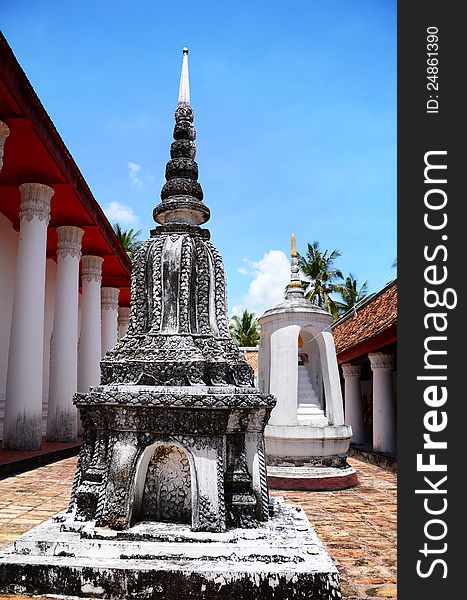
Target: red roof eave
point(26, 110)
point(372, 344)
point(372, 327)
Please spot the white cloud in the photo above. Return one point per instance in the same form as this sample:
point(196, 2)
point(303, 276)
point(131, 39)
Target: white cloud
point(120, 213)
point(137, 178)
point(270, 276)
point(237, 310)
point(134, 174)
point(242, 271)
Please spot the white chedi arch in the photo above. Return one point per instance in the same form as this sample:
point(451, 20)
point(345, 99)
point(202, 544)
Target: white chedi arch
point(308, 419)
point(294, 433)
point(311, 404)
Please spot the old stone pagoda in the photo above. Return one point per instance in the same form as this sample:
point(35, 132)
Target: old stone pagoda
point(175, 430)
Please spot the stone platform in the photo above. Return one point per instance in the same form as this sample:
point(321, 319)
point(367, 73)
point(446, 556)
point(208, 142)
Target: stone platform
point(311, 478)
point(282, 558)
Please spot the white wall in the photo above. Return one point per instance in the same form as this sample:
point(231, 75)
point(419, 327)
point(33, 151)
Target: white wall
point(8, 252)
point(283, 377)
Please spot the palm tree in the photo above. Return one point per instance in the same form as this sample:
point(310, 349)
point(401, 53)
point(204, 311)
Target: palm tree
point(128, 238)
point(245, 329)
point(351, 294)
point(321, 276)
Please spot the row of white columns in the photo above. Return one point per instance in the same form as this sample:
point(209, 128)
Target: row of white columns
point(384, 412)
point(23, 401)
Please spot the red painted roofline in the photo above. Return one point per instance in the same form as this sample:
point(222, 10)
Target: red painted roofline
point(369, 345)
point(45, 128)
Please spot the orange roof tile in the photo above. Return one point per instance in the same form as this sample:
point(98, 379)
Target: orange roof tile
point(377, 315)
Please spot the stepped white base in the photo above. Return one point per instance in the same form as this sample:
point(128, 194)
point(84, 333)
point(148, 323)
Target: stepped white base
point(280, 559)
point(310, 414)
point(306, 391)
point(302, 442)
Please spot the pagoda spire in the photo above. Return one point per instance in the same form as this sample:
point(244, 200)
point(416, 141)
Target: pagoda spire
point(293, 245)
point(184, 89)
point(182, 194)
point(295, 288)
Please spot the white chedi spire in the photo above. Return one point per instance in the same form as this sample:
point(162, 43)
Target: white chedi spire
point(184, 90)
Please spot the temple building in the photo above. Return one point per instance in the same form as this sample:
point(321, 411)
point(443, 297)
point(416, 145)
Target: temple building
point(367, 356)
point(64, 277)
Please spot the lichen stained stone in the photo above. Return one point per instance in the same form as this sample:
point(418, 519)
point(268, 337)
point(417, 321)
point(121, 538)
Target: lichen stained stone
point(174, 380)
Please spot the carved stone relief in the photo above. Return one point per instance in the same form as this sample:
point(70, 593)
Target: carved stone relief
point(167, 490)
point(175, 376)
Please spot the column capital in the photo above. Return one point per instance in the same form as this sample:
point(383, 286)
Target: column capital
point(123, 315)
point(381, 361)
point(123, 320)
point(69, 241)
point(109, 298)
point(35, 201)
point(4, 133)
point(91, 268)
point(351, 370)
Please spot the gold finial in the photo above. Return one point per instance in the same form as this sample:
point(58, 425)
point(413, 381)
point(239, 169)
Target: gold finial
point(294, 248)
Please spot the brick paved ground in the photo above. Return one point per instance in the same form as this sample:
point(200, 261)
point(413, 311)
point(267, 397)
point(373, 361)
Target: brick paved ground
point(358, 526)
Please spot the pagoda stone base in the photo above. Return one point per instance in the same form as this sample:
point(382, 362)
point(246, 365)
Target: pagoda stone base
point(282, 558)
point(311, 477)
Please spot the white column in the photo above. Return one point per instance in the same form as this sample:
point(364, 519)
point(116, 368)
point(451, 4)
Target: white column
point(353, 401)
point(384, 414)
point(90, 339)
point(62, 423)
point(331, 379)
point(109, 304)
point(23, 402)
point(4, 133)
point(123, 321)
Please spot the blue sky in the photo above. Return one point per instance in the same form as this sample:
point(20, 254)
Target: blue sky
point(295, 109)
